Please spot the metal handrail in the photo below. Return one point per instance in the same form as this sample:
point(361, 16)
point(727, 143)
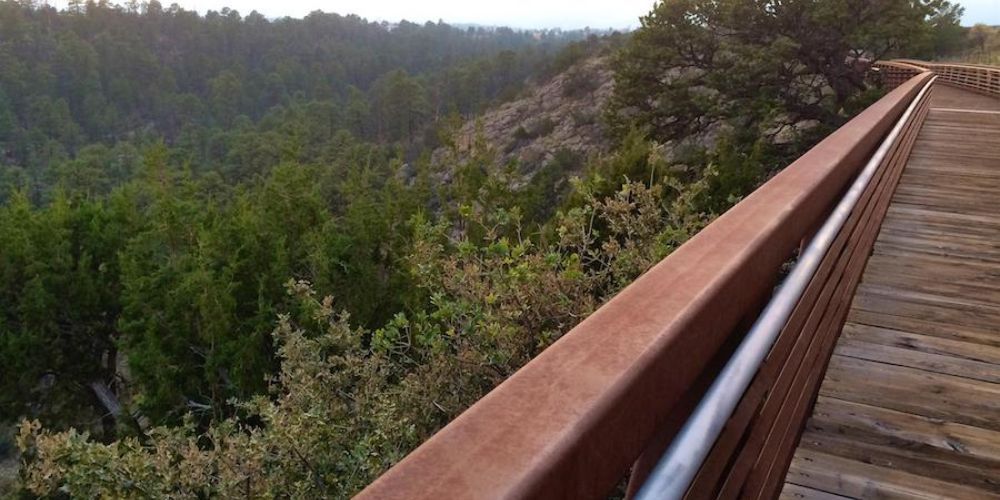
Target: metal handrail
point(679, 465)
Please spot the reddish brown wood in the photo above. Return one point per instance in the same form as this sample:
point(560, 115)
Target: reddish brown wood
point(895, 73)
point(977, 78)
point(771, 466)
point(735, 450)
point(651, 455)
point(571, 422)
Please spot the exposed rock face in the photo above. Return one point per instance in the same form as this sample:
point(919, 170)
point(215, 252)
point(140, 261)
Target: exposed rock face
point(565, 114)
point(561, 114)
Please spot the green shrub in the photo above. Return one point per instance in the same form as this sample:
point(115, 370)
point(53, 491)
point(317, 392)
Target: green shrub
point(347, 403)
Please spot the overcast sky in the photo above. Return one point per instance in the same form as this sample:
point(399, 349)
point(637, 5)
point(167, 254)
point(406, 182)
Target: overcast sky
point(515, 13)
point(981, 11)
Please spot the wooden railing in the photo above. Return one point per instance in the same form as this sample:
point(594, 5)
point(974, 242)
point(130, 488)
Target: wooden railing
point(894, 73)
point(607, 398)
point(974, 77)
point(751, 454)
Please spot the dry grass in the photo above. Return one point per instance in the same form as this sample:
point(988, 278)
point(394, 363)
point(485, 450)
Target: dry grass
point(985, 46)
point(991, 58)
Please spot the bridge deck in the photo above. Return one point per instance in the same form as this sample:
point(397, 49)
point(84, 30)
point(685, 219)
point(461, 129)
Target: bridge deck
point(910, 406)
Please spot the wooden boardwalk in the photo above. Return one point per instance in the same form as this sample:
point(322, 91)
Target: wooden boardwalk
point(910, 406)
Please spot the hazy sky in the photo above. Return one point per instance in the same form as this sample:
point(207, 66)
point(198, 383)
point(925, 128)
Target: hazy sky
point(515, 13)
point(981, 11)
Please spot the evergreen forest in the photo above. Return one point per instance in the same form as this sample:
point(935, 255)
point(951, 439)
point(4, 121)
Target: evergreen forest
point(243, 256)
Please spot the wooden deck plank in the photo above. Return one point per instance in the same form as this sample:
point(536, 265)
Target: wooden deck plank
point(891, 454)
point(985, 336)
point(854, 479)
point(910, 390)
point(926, 361)
point(923, 343)
point(947, 96)
point(906, 270)
point(796, 492)
point(910, 404)
point(927, 309)
point(962, 443)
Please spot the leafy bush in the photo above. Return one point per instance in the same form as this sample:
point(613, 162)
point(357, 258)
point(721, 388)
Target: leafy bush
point(347, 403)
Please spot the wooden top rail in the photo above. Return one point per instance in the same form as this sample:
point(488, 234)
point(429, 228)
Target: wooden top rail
point(572, 422)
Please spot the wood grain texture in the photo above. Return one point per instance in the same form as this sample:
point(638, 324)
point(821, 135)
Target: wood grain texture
point(909, 406)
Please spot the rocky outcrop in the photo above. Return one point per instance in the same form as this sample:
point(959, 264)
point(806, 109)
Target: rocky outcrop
point(563, 114)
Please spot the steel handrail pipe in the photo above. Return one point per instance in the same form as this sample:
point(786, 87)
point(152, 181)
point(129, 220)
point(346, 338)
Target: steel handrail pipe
point(675, 472)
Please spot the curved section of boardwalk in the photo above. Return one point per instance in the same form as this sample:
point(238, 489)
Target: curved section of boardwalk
point(910, 405)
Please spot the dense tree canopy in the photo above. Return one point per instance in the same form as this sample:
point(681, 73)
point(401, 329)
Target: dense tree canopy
point(105, 74)
point(764, 64)
point(165, 172)
point(229, 266)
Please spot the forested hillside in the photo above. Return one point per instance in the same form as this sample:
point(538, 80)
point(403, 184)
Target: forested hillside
point(234, 94)
point(250, 256)
point(141, 134)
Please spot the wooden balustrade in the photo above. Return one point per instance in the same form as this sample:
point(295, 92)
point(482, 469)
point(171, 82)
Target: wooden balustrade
point(573, 421)
point(894, 73)
point(975, 77)
point(751, 456)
